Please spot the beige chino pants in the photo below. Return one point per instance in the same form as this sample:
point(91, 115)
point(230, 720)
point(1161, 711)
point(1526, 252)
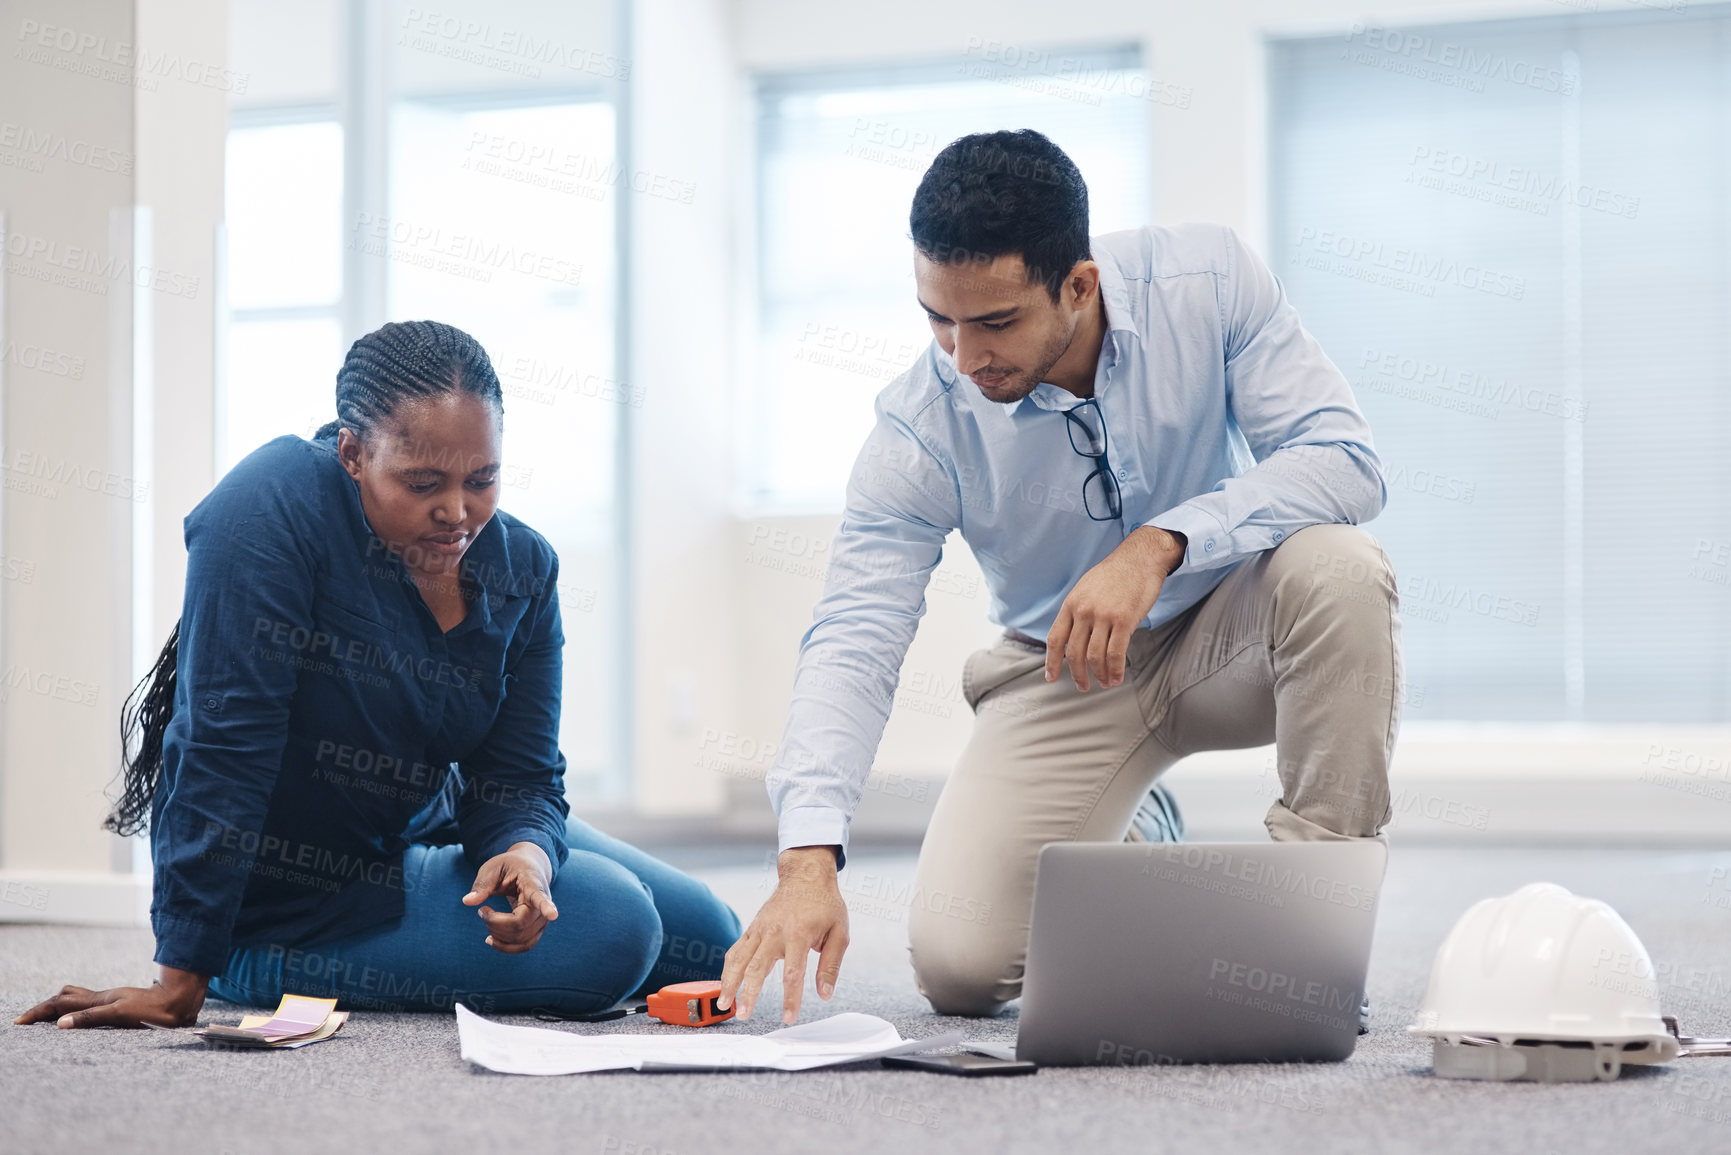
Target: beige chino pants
point(1299, 645)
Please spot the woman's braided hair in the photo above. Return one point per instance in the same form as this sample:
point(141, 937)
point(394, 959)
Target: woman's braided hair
point(401, 361)
point(405, 361)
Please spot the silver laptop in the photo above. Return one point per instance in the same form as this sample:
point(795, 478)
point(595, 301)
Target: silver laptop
point(1223, 952)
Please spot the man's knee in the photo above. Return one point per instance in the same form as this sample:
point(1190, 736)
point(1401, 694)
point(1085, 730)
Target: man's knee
point(962, 973)
point(1339, 563)
point(1341, 553)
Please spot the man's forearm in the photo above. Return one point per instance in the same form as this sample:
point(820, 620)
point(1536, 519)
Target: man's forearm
point(1162, 550)
point(1292, 488)
point(812, 861)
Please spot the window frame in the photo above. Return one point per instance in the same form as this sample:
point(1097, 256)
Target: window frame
point(362, 109)
point(754, 496)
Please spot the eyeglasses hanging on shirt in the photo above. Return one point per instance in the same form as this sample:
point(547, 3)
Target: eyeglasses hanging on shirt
point(1100, 495)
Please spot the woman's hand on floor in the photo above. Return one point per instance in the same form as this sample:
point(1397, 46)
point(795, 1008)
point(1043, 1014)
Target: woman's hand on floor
point(524, 875)
point(174, 1000)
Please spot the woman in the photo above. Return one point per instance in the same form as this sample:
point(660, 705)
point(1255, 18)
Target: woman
point(358, 714)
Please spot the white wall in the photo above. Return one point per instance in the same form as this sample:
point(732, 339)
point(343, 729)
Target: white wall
point(686, 674)
point(94, 490)
point(181, 133)
point(61, 681)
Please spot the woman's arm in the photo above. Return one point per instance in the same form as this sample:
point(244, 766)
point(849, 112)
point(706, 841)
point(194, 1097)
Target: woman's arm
point(246, 617)
point(246, 629)
point(512, 812)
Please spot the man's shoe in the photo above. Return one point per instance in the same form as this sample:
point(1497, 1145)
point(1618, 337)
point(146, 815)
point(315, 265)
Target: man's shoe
point(1157, 819)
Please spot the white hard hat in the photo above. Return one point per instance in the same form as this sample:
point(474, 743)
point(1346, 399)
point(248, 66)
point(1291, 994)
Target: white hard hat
point(1560, 979)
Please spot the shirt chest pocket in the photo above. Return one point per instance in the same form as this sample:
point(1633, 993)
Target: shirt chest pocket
point(350, 637)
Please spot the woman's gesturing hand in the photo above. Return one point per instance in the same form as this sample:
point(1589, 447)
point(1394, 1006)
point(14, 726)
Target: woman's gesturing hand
point(524, 875)
point(174, 1000)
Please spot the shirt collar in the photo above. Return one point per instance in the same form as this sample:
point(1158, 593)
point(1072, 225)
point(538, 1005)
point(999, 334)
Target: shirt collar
point(487, 565)
point(1120, 327)
point(1119, 319)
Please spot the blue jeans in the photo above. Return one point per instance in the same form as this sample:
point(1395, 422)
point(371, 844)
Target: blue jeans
point(628, 924)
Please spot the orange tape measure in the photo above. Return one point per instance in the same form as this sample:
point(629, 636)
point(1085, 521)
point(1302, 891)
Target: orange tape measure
point(689, 1005)
point(682, 1004)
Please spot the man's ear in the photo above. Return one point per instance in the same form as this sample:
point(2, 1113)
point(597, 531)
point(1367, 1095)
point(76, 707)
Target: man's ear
point(1083, 284)
point(349, 451)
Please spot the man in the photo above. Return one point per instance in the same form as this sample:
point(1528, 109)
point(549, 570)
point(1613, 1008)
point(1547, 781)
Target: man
point(1159, 472)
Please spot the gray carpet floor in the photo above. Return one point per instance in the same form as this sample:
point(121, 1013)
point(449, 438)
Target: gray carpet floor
point(395, 1082)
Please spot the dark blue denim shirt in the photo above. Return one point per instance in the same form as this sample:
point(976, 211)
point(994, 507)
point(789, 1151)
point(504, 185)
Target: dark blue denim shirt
point(323, 721)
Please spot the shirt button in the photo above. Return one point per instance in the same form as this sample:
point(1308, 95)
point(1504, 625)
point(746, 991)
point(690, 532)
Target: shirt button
point(1123, 475)
point(1208, 546)
point(1278, 534)
point(210, 703)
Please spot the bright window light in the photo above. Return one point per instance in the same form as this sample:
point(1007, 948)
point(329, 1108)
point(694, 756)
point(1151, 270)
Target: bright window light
point(839, 163)
point(1522, 269)
point(283, 379)
point(284, 211)
point(502, 224)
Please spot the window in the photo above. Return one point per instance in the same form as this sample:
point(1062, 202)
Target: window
point(839, 159)
point(1513, 238)
point(474, 185)
point(502, 223)
point(284, 206)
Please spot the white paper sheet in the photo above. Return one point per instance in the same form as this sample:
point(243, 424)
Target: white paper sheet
point(844, 1038)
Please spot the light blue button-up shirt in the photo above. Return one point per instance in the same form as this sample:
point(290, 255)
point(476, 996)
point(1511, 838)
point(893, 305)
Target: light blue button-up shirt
point(1225, 422)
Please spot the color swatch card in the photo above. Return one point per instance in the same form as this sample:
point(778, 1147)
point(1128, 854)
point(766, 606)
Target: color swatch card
point(298, 1020)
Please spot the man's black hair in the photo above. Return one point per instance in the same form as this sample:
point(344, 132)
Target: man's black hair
point(995, 193)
